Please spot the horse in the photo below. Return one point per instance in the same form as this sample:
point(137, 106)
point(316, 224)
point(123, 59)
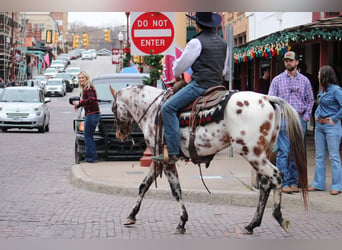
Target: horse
point(250, 124)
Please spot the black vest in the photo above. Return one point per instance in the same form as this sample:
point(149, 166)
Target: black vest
point(208, 67)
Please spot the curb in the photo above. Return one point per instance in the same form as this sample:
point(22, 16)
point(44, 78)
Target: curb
point(79, 178)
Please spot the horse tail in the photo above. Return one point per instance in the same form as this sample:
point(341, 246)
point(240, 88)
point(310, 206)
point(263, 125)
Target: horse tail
point(297, 145)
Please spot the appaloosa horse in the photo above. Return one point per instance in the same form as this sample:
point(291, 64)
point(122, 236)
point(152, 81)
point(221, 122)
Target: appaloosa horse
point(250, 125)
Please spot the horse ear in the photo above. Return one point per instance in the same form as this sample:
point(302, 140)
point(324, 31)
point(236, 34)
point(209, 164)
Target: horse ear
point(112, 90)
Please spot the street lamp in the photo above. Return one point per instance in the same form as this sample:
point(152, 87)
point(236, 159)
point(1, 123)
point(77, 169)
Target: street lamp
point(127, 26)
point(121, 37)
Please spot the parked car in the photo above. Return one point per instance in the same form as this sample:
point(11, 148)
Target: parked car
point(108, 147)
point(34, 83)
point(41, 78)
point(24, 108)
point(74, 71)
point(68, 81)
point(65, 57)
point(87, 55)
point(93, 52)
point(50, 72)
point(60, 67)
point(55, 86)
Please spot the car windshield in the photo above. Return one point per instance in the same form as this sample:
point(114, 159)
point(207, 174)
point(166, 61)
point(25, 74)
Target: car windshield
point(40, 78)
point(102, 86)
point(20, 95)
point(63, 76)
point(73, 70)
point(54, 83)
point(56, 62)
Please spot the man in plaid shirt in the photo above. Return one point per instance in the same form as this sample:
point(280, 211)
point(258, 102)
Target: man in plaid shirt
point(294, 88)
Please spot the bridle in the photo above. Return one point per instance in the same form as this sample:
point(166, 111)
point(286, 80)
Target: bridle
point(126, 134)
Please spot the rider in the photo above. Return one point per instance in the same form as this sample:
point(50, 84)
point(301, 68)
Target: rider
point(206, 54)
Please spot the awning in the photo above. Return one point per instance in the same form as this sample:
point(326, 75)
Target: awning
point(279, 43)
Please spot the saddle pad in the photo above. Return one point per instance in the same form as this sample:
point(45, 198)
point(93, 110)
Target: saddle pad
point(204, 117)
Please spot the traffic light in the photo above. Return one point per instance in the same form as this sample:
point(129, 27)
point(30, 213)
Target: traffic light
point(49, 36)
point(75, 42)
point(107, 35)
point(55, 39)
point(85, 39)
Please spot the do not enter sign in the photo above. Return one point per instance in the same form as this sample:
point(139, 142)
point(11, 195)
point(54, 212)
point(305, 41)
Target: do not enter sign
point(152, 32)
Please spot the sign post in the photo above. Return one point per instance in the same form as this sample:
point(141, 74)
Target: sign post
point(152, 32)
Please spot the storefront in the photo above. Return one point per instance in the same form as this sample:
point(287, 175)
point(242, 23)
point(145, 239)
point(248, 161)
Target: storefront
point(318, 43)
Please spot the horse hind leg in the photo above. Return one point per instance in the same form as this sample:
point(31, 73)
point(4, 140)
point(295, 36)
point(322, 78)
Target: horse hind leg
point(143, 188)
point(172, 177)
point(277, 214)
point(265, 188)
point(268, 182)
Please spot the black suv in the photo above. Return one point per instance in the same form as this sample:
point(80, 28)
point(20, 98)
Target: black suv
point(108, 147)
point(68, 80)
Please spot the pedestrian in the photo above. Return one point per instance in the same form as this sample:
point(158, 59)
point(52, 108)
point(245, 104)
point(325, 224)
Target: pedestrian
point(206, 54)
point(296, 89)
point(264, 81)
point(328, 131)
point(92, 114)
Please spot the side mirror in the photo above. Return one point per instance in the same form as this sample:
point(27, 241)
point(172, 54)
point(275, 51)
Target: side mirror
point(72, 99)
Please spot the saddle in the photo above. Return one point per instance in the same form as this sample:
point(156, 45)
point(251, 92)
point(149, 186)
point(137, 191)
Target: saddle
point(211, 98)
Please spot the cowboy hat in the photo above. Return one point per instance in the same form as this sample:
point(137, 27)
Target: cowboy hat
point(207, 19)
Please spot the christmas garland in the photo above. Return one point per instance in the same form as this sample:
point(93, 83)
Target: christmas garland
point(278, 43)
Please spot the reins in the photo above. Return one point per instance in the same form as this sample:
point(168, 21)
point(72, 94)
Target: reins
point(137, 123)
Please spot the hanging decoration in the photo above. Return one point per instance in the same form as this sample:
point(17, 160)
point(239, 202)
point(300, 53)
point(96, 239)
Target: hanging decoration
point(128, 56)
point(277, 44)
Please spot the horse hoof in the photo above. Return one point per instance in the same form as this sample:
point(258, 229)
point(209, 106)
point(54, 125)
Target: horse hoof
point(180, 230)
point(246, 231)
point(285, 224)
point(130, 222)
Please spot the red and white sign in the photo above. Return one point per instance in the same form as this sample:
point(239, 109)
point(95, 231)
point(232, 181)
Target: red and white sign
point(152, 32)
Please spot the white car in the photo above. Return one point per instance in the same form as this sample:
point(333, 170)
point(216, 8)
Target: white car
point(60, 67)
point(93, 52)
point(74, 71)
point(55, 86)
point(87, 55)
point(24, 108)
point(50, 72)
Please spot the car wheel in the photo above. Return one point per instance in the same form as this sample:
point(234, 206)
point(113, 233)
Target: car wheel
point(4, 130)
point(47, 128)
point(78, 156)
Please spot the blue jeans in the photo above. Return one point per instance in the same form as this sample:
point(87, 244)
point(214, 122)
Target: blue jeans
point(285, 161)
point(328, 137)
point(169, 110)
point(90, 123)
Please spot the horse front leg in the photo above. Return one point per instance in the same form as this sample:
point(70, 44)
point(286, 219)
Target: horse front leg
point(172, 177)
point(265, 188)
point(143, 188)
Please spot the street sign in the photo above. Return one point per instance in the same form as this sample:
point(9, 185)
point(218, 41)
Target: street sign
point(115, 56)
point(152, 32)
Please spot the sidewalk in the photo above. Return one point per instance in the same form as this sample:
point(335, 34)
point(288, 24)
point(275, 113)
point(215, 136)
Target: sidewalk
point(227, 178)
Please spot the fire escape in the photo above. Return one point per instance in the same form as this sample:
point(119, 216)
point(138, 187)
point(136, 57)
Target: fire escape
point(12, 46)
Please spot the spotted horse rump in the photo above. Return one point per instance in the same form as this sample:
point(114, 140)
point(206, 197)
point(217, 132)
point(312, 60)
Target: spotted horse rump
point(250, 124)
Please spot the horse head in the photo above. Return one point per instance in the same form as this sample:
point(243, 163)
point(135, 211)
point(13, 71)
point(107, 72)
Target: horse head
point(123, 119)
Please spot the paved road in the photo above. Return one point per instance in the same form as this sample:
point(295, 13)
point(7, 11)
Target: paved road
point(37, 200)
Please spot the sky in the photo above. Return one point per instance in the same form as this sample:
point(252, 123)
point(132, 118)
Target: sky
point(98, 19)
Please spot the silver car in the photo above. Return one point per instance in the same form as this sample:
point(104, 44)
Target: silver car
point(55, 86)
point(24, 108)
